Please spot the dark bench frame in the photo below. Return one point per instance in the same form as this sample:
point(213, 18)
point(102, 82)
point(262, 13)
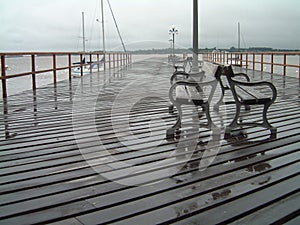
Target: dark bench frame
point(245, 94)
point(225, 88)
point(185, 62)
point(186, 83)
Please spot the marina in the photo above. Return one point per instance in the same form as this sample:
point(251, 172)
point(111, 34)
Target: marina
point(93, 150)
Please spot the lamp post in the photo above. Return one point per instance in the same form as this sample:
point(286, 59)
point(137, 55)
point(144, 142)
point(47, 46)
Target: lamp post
point(195, 66)
point(173, 31)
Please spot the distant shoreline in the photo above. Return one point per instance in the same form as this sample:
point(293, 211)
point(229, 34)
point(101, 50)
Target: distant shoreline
point(205, 50)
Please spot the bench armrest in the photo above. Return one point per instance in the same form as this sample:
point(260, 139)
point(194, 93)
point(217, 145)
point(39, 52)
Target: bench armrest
point(256, 84)
point(242, 75)
point(177, 74)
point(186, 76)
point(198, 85)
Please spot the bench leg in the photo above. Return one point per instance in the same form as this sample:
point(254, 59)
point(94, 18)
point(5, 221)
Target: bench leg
point(234, 122)
point(247, 107)
point(174, 130)
point(264, 124)
point(220, 102)
point(171, 109)
point(210, 123)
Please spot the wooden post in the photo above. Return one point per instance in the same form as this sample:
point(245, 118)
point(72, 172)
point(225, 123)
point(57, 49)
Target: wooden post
point(91, 63)
point(284, 64)
point(3, 76)
point(98, 62)
point(241, 60)
point(54, 69)
point(70, 64)
point(272, 63)
point(114, 61)
point(262, 62)
point(253, 58)
point(104, 60)
point(109, 60)
point(121, 59)
point(118, 60)
point(81, 66)
point(299, 67)
point(33, 72)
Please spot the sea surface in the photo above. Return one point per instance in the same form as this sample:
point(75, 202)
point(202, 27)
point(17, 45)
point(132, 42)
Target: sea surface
point(23, 64)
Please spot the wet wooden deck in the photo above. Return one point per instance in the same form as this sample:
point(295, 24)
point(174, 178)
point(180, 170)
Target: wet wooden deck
point(93, 151)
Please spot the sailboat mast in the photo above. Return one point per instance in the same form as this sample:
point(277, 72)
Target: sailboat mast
point(103, 37)
point(83, 34)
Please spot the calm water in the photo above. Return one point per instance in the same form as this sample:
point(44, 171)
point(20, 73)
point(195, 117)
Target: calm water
point(23, 64)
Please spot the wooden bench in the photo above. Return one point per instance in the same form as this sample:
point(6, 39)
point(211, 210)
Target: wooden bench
point(248, 94)
point(191, 91)
point(181, 65)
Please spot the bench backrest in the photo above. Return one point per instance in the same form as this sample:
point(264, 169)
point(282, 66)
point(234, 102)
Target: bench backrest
point(229, 72)
point(212, 69)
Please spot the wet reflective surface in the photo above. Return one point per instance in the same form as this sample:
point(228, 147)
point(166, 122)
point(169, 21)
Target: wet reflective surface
point(111, 163)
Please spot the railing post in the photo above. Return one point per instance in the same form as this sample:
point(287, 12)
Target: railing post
point(246, 60)
point(284, 64)
point(241, 60)
point(262, 62)
point(253, 59)
point(3, 76)
point(33, 72)
point(70, 64)
point(81, 66)
point(98, 62)
point(109, 60)
point(272, 63)
point(299, 66)
point(104, 60)
point(91, 63)
point(114, 61)
point(118, 54)
point(54, 69)
point(226, 57)
point(121, 59)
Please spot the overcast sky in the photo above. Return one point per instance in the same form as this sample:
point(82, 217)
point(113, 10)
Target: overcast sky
point(55, 25)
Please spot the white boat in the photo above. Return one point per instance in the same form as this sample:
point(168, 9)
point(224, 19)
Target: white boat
point(87, 67)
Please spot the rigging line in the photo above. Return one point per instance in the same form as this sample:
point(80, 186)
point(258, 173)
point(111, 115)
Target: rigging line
point(112, 13)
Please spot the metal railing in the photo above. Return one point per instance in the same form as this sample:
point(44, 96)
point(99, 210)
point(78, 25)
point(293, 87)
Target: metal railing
point(272, 62)
point(108, 60)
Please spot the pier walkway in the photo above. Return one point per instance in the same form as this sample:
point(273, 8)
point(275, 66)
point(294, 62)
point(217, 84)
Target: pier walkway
point(93, 151)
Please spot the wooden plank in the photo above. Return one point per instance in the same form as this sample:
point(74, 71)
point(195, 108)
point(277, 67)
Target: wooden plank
point(281, 210)
point(246, 204)
point(118, 196)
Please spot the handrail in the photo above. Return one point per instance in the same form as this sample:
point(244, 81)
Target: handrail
point(121, 59)
point(261, 59)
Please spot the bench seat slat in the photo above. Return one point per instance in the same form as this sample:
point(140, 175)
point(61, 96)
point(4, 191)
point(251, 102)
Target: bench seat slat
point(250, 96)
point(189, 95)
